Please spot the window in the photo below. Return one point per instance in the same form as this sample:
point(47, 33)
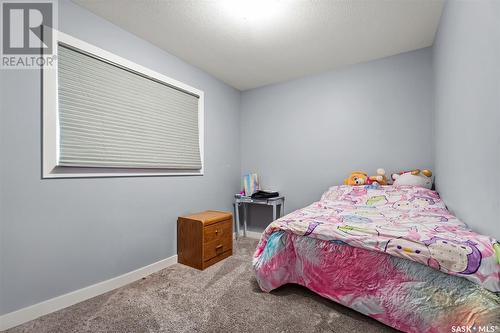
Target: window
point(106, 116)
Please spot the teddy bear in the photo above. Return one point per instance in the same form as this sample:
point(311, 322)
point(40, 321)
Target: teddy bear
point(380, 178)
point(356, 178)
point(415, 177)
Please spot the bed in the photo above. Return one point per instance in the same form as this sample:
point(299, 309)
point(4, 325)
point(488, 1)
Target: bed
point(393, 253)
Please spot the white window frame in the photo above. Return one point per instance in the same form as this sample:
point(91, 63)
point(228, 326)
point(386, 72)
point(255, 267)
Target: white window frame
point(50, 127)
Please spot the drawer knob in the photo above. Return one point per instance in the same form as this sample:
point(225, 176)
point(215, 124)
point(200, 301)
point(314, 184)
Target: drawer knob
point(218, 247)
point(216, 231)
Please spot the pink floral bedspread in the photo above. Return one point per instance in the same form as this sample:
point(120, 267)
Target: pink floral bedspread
point(407, 222)
point(393, 253)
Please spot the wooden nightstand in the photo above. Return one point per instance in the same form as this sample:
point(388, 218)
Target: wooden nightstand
point(204, 238)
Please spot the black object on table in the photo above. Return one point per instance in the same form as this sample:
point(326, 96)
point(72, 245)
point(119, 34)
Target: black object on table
point(265, 195)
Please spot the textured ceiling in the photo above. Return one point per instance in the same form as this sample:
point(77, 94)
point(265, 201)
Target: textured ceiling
point(251, 43)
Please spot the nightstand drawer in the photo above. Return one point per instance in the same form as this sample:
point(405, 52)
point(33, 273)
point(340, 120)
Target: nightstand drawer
point(216, 247)
point(218, 231)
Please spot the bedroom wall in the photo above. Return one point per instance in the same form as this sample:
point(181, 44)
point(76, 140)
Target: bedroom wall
point(467, 117)
point(64, 234)
point(305, 135)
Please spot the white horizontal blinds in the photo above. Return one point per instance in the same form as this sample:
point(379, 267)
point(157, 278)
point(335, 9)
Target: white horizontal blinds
point(112, 117)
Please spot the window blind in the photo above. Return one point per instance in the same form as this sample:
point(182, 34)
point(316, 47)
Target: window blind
point(113, 117)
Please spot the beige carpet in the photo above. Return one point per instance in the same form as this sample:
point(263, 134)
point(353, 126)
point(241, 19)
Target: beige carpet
point(223, 298)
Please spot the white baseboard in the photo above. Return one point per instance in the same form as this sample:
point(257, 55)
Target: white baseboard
point(250, 234)
point(254, 234)
point(23, 315)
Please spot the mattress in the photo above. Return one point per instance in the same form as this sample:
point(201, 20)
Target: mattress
point(393, 253)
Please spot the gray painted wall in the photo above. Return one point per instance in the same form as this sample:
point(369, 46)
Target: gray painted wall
point(62, 235)
point(467, 116)
point(305, 135)
point(301, 136)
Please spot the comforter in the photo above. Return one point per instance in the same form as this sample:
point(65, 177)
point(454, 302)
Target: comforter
point(394, 253)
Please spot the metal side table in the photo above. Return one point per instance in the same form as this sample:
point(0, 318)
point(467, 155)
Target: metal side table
point(244, 201)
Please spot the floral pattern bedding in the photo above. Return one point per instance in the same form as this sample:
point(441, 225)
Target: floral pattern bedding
point(407, 221)
point(394, 253)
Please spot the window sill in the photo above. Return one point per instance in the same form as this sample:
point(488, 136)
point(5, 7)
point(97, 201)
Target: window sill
point(77, 172)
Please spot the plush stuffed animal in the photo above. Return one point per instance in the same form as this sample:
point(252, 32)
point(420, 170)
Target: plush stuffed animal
point(356, 178)
point(415, 177)
point(380, 178)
